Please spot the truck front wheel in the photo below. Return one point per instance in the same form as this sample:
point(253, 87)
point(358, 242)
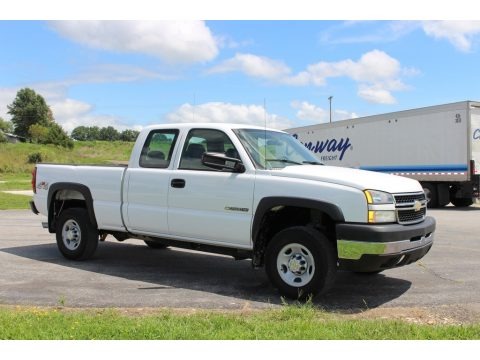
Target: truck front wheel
point(300, 262)
point(77, 238)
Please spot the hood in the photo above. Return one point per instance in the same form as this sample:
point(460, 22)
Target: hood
point(359, 179)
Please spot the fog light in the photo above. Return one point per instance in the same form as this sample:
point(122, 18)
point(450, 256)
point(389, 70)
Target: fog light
point(381, 216)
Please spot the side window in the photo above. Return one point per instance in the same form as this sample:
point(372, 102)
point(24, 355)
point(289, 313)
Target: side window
point(200, 141)
point(158, 149)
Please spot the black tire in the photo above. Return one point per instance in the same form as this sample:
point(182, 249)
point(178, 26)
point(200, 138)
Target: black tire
point(300, 262)
point(459, 201)
point(462, 202)
point(431, 194)
point(154, 244)
point(77, 238)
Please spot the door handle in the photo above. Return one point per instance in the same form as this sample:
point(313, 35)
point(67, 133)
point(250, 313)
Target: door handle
point(177, 183)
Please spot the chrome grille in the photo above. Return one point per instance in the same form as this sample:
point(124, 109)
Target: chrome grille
point(411, 208)
point(411, 216)
point(409, 198)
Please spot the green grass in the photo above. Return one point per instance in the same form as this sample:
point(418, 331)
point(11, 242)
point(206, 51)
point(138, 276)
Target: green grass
point(14, 157)
point(15, 182)
point(16, 171)
point(14, 202)
point(290, 322)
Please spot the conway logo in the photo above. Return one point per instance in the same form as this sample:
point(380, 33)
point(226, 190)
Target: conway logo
point(329, 145)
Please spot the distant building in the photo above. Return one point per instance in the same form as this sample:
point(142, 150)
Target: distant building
point(12, 138)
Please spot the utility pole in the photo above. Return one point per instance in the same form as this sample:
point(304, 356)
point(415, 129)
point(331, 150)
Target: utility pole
point(330, 100)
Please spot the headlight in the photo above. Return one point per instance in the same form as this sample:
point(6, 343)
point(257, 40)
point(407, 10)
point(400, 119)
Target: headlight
point(381, 208)
point(378, 197)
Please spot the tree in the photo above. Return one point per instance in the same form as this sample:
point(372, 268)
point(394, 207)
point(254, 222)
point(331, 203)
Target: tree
point(109, 134)
point(86, 133)
point(6, 126)
point(80, 133)
point(29, 108)
point(129, 135)
point(93, 133)
point(38, 134)
point(56, 135)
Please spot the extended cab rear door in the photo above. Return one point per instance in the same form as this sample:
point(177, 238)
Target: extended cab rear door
point(145, 203)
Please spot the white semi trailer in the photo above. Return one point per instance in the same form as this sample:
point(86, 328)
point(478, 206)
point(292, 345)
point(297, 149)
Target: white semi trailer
point(437, 145)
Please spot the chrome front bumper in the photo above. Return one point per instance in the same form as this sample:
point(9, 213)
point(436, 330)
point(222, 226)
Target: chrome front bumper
point(374, 247)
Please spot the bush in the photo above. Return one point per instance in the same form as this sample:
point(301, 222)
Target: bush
point(3, 137)
point(38, 134)
point(34, 158)
point(51, 134)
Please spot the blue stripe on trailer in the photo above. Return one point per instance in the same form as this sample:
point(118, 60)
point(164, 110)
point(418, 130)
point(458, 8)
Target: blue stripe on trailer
point(418, 168)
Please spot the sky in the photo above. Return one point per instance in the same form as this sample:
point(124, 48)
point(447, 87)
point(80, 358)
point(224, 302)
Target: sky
point(129, 74)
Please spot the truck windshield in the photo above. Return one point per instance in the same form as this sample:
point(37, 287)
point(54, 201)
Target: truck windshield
point(274, 150)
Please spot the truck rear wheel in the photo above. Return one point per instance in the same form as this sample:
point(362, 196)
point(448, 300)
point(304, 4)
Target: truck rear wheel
point(300, 262)
point(77, 238)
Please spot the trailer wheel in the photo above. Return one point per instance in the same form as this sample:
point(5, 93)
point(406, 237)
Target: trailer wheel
point(431, 195)
point(300, 262)
point(459, 201)
point(462, 202)
point(77, 238)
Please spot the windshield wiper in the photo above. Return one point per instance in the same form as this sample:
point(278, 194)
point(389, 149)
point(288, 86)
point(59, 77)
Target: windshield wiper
point(285, 161)
point(312, 162)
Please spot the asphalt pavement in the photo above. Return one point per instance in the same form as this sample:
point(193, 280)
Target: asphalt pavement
point(131, 275)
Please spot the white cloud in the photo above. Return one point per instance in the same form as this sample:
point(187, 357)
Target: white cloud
point(307, 111)
point(310, 112)
point(253, 65)
point(372, 67)
point(376, 73)
point(357, 32)
point(218, 112)
point(107, 73)
point(459, 33)
point(70, 113)
point(6, 98)
point(375, 94)
point(172, 41)
point(344, 115)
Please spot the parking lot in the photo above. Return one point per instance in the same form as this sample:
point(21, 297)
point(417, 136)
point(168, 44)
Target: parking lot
point(131, 275)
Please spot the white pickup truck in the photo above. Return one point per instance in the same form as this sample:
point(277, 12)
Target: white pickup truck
point(243, 191)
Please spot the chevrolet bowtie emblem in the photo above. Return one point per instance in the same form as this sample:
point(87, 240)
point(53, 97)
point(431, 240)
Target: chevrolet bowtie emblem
point(417, 205)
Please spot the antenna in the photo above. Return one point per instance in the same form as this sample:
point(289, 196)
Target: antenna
point(265, 113)
point(265, 132)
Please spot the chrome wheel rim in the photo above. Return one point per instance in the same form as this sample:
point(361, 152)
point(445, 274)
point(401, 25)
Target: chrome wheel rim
point(71, 235)
point(295, 265)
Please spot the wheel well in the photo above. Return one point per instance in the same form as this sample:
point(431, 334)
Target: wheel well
point(63, 199)
point(279, 218)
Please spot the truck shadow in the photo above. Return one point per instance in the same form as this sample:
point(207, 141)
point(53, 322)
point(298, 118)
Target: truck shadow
point(159, 271)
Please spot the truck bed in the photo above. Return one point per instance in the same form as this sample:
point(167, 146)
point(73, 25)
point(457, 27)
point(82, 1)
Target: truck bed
point(104, 181)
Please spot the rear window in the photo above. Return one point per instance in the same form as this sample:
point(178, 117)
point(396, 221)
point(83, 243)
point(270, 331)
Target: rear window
point(158, 148)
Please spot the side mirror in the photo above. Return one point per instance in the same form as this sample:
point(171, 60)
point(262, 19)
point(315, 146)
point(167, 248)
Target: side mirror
point(219, 161)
